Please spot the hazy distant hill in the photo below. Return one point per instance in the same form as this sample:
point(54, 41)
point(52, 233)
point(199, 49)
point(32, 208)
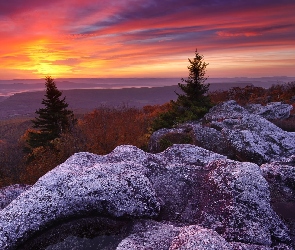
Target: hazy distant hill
point(84, 100)
point(9, 87)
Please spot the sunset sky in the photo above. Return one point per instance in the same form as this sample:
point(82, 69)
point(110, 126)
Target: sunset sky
point(146, 38)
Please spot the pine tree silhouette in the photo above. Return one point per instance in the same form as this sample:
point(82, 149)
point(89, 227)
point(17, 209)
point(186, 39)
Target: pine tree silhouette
point(53, 120)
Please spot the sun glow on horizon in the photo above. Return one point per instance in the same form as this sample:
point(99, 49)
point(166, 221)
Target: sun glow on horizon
point(86, 39)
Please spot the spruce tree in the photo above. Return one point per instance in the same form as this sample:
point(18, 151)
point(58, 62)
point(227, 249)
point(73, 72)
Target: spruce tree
point(193, 103)
point(53, 120)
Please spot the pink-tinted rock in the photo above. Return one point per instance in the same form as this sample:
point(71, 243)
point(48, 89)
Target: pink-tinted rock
point(182, 186)
point(196, 237)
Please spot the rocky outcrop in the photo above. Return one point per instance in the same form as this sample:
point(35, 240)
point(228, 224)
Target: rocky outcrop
point(198, 197)
point(271, 111)
point(231, 130)
point(76, 188)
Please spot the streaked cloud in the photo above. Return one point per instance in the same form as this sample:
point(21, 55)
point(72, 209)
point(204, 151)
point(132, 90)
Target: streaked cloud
point(126, 38)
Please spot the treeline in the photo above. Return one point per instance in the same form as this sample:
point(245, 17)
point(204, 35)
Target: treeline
point(252, 94)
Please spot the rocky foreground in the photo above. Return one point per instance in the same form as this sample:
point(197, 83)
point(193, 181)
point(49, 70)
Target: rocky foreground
point(242, 196)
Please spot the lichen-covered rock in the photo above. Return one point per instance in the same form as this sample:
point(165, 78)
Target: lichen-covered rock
point(231, 130)
point(177, 175)
point(184, 185)
point(196, 237)
point(211, 139)
point(252, 137)
point(188, 155)
point(150, 235)
point(237, 205)
point(8, 194)
point(78, 187)
point(202, 136)
point(271, 111)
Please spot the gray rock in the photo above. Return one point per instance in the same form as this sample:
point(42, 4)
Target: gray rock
point(173, 135)
point(77, 188)
point(8, 194)
point(202, 136)
point(162, 236)
point(211, 139)
point(252, 137)
point(237, 205)
point(179, 179)
point(184, 185)
point(177, 175)
point(231, 130)
point(271, 111)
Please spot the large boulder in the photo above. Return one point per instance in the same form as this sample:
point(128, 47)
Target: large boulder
point(158, 236)
point(182, 186)
point(234, 131)
point(252, 137)
point(76, 188)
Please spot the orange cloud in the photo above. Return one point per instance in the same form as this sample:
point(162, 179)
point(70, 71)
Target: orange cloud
point(144, 38)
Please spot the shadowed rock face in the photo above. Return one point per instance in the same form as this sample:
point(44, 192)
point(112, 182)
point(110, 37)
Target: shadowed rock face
point(180, 187)
point(231, 130)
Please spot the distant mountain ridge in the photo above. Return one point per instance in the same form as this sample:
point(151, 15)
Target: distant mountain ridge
point(10, 87)
point(85, 100)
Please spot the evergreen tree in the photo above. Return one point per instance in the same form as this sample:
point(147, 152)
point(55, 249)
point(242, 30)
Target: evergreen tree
point(194, 102)
point(53, 120)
